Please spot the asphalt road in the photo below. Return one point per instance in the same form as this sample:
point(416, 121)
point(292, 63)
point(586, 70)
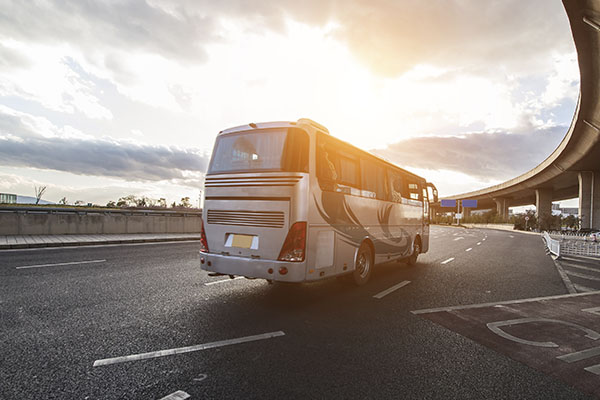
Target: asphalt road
point(321, 340)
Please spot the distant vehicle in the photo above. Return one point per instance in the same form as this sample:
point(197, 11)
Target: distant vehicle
point(286, 201)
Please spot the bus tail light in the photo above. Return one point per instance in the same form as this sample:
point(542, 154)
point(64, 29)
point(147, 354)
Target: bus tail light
point(295, 244)
point(203, 241)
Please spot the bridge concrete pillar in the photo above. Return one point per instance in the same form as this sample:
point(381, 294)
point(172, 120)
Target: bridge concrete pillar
point(502, 207)
point(589, 199)
point(543, 207)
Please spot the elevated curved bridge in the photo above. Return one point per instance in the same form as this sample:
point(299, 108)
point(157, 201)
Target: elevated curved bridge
point(573, 169)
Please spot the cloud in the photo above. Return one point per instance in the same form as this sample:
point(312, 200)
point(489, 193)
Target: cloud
point(28, 141)
point(128, 25)
point(390, 37)
point(486, 156)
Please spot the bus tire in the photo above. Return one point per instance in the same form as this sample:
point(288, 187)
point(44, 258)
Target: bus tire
point(412, 260)
point(363, 266)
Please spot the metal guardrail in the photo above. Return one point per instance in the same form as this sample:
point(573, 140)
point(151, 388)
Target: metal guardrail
point(553, 245)
point(108, 211)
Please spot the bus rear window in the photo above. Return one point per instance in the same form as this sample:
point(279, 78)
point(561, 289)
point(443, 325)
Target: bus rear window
point(266, 150)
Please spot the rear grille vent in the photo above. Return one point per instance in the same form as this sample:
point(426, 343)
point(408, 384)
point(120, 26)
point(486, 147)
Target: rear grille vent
point(266, 219)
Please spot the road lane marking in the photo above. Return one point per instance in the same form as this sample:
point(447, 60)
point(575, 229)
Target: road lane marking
point(483, 240)
point(223, 281)
point(178, 395)
point(582, 288)
point(97, 245)
point(583, 276)
point(459, 238)
point(469, 249)
point(59, 264)
point(390, 290)
point(569, 265)
point(511, 236)
point(448, 260)
point(188, 349)
point(580, 355)
point(500, 303)
point(478, 243)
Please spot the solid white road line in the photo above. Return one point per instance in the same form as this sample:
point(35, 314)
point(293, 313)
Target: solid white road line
point(223, 281)
point(584, 276)
point(58, 264)
point(390, 290)
point(188, 349)
point(570, 265)
point(448, 260)
point(582, 288)
point(580, 355)
point(469, 249)
point(98, 245)
point(482, 305)
point(178, 395)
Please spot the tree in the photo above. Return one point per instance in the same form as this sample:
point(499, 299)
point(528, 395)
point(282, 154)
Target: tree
point(111, 204)
point(63, 201)
point(39, 192)
point(79, 203)
point(162, 202)
point(185, 202)
point(571, 222)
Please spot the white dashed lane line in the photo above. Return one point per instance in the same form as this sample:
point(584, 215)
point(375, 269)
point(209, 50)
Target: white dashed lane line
point(469, 249)
point(478, 243)
point(223, 281)
point(448, 260)
point(188, 349)
point(59, 264)
point(178, 395)
point(390, 290)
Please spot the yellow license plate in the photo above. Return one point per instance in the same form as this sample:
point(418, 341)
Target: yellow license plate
point(242, 241)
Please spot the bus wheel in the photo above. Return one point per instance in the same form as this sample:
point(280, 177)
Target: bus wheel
point(363, 265)
point(412, 260)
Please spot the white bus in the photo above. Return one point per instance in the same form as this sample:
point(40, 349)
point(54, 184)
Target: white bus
point(286, 201)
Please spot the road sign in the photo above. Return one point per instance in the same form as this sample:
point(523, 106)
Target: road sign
point(469, 203)
point(448, 203)
point(458, 215)
point(526, 218)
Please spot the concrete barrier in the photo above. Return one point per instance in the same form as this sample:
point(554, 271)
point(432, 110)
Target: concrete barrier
point(73, 220)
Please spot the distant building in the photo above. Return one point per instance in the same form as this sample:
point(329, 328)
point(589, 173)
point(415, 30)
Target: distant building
point(7, 198)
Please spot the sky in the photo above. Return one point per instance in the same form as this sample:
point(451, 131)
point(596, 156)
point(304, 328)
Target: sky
point(99, 100)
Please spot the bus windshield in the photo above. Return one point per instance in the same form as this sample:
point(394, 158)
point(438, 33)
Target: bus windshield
point(261, 150)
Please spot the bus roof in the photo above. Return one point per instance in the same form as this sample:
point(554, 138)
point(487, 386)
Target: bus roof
point(306, 121)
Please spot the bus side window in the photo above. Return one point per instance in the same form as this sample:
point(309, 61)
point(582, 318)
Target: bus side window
point(296, 151)
point(374, 180)
point(414, 191)
point(326, 165)
point(396, 186)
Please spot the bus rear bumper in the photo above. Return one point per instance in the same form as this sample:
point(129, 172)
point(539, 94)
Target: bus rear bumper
point(254, 268)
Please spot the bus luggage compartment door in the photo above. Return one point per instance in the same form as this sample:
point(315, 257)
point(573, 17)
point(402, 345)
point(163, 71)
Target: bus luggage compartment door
point(247, 228)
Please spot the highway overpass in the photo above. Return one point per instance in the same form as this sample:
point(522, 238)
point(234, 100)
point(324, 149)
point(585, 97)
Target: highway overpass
point(573, 169)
